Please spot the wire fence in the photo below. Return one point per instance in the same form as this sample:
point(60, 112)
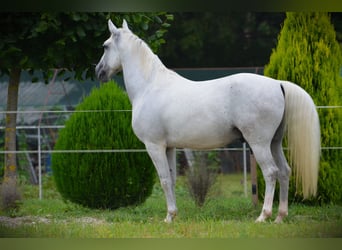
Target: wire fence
point(97, 111)
point(42, 147)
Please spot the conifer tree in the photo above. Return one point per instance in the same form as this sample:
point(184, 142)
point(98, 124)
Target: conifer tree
point(309, 55)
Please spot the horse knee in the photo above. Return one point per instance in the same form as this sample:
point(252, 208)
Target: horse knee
point(270, 174)
point(284, 174)
point(288, 170)
point(266, 162)
point(165, 182)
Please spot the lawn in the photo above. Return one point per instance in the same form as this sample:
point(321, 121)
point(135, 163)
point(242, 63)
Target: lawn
point(226, 214)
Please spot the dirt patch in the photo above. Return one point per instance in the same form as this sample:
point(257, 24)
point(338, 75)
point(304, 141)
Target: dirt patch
point(90, 220)
point(18, 221)
point(33, 220)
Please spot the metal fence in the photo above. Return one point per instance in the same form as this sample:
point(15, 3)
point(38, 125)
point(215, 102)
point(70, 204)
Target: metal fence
point(44, 150)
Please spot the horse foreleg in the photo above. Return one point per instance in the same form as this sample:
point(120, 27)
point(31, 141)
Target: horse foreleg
point(160, 161)
point(171, 158)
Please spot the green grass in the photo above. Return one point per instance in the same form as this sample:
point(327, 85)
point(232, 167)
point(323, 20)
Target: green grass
point(227, 213)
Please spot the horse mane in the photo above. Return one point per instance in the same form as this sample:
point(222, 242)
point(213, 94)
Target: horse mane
point(149, 61)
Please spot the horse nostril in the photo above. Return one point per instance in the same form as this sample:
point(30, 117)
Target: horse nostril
point(102, 76)
point(99, 71)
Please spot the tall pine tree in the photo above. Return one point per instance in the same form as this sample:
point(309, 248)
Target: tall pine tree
point(309, 55)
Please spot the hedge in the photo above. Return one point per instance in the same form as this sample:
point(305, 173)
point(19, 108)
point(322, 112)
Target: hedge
point(102, 180)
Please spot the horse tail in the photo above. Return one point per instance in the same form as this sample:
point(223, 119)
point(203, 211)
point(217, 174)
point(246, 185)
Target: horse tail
point(303, 136)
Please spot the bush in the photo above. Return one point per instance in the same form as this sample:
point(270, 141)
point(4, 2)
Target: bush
point(201, 176)
point(102, 180)
point(309, 55)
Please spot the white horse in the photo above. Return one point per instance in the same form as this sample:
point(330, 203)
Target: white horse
point(171, 112)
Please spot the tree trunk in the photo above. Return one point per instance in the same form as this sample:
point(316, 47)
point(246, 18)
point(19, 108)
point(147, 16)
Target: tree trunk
point(9, 190)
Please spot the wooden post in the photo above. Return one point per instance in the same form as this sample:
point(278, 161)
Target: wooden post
point(254, 179)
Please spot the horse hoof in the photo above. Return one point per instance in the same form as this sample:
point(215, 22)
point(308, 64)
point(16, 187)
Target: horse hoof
point(170, 217)
point(167, 220)
point(260, 219)
point(278, 220)
point(264, 215)
point(280, 217)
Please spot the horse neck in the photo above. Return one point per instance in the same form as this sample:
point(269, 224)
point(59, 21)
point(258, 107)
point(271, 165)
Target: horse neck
point(140, 68)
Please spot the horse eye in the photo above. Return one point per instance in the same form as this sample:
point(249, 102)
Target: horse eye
point(105, 47)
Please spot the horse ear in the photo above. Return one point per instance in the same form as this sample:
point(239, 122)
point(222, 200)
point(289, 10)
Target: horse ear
point(125, 25)
point(112, 27)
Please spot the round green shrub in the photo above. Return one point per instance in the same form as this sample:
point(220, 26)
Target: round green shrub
point(102, 180)
point(309, 55)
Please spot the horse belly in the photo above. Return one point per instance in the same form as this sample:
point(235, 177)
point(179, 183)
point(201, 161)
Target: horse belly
point(199, 141)
point(200, 133)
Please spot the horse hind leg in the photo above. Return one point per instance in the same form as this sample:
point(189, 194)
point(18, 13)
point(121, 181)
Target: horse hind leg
point(263, 155)
point(283, 174)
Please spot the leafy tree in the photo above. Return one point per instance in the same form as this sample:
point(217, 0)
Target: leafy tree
point(227, 39)
point(66, 41)
point(309, 55)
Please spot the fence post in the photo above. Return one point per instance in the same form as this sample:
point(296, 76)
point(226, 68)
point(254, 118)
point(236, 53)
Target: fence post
point(254, 179)
point(245, 169)
point(39, 165)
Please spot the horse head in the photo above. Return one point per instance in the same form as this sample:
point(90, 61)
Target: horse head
point(110, 62)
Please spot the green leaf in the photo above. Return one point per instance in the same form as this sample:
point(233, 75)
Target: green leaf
point(24, 61)
point(76, 17)
point(80, 32)
point(42, 27)
point(144, 26)
point(60, 42)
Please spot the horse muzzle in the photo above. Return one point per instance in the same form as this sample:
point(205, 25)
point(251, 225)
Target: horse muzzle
point(101, 73)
